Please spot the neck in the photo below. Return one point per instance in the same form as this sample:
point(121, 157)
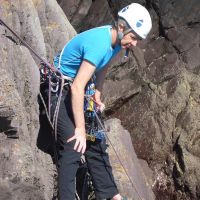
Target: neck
point(115, 40)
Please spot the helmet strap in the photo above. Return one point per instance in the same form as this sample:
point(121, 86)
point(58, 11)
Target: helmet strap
point(120, 35)
point(127, 31)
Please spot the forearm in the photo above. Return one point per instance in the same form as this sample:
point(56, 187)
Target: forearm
point(78, 106)
point(77, 97)
point(97, 95)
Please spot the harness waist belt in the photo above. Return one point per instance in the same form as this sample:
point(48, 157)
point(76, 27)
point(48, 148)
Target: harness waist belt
point(67, 78)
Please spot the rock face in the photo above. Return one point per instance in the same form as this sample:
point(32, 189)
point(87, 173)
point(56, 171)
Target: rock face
point(75, 10)
point(156, 93)
point(83, 14)
point(26, 172)
point(128, 173)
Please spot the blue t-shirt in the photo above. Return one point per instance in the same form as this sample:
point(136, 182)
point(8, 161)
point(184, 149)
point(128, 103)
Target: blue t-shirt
point(93, 45)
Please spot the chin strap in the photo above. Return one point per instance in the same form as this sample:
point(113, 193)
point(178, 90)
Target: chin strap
point(121, 34)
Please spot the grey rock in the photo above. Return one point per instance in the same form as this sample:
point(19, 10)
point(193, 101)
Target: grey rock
point(25, 171)
point(127, 170)
point(155, 93)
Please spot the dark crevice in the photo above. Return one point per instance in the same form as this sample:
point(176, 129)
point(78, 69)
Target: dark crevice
point(181, 184)
point(5, 127)
point(4, 124)
point(179, 154)
point(148, 4)
point(192, 24)
point(11, 39)
point(168, 78)
point(162, 29)
point(165, 79)
point(114, 8)
point(118, 104)
point(156, 9)
point(176, 174)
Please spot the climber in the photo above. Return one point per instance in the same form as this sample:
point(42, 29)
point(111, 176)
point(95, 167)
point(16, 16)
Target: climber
point(86, 55)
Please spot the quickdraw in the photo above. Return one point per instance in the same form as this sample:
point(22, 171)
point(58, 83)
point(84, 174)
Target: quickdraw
point(52, 76)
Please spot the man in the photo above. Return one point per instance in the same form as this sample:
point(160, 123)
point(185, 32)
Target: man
point(82, 57)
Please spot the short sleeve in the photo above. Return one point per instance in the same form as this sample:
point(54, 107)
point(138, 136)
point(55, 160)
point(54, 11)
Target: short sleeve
point(93, 54)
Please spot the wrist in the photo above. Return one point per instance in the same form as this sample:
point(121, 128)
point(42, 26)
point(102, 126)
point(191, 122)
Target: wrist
point(82, 128)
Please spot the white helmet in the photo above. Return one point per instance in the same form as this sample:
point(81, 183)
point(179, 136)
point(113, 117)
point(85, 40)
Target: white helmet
point(138, 18)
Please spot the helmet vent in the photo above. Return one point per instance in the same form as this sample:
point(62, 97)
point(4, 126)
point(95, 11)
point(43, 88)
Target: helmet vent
point(124, 9)
point(139, 23)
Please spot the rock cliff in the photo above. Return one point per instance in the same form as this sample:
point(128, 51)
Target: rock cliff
point(155, 92)
point(25, 171)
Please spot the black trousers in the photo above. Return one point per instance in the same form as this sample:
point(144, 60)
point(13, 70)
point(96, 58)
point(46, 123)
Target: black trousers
point(69, 160)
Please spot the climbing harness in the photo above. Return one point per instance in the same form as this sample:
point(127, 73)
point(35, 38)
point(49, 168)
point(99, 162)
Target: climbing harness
point(55, 81)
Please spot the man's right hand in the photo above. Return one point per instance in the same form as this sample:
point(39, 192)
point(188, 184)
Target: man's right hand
point(80, 137)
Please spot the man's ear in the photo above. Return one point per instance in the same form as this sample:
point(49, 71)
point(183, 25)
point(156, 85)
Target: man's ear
point(121, 27)
point(120, 32)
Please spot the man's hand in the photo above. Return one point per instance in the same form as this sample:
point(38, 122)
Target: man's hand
point(100, 106)
point(80, 137)
point(97, 100)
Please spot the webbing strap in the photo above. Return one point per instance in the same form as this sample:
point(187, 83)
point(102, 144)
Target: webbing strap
point(70, 79)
